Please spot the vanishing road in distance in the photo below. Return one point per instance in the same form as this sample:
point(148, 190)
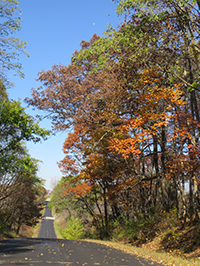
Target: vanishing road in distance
point(48, 250)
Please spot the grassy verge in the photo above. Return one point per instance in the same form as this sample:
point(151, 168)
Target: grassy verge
point(36, 229)
point(56, 226)
point(8, 235)
point(57, 230)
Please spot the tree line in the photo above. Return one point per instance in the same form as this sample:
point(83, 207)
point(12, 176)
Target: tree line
point(22, 192)
point(129, 101)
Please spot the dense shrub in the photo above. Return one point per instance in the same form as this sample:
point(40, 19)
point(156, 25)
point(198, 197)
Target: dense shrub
point(74, 230)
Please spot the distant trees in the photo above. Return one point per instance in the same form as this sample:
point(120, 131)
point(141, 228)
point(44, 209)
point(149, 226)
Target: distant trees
point(132, 100)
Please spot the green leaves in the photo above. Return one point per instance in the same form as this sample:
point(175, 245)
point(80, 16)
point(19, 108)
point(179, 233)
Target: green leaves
point(74, 230)
point(195, 85)
point(10, 47)
point(16, 125)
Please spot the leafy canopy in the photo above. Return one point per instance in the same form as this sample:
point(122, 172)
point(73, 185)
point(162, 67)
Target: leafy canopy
point(10, 47)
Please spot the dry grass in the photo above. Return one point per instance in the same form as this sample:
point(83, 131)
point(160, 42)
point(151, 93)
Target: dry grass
point(36, 229)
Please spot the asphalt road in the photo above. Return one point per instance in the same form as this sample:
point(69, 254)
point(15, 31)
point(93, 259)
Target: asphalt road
point(47, 227)
point(47, 250)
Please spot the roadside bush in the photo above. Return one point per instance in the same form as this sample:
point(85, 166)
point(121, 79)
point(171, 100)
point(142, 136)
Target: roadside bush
point(74, 230)
point(135, 231)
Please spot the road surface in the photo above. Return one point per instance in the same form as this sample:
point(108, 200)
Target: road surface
point(47, 250)
point(47, 225)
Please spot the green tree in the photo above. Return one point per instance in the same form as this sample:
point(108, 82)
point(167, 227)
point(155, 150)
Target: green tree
point(74, 230)
point(3, 92)
point(10, 47)
point(15, 127)
point(58, 202)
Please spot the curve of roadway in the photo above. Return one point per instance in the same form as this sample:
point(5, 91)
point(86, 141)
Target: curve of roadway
point(48, 250)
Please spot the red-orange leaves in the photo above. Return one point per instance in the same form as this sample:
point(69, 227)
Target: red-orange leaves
point(80, 190)
point(125, 147)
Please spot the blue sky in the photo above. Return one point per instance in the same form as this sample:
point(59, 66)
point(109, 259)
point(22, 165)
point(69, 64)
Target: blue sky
point(53, 30)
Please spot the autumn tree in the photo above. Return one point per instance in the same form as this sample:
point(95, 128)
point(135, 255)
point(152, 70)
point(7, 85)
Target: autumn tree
point(184, 16)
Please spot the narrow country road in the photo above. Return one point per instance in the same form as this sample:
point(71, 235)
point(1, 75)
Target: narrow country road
point(47, 227)
point(46, 249)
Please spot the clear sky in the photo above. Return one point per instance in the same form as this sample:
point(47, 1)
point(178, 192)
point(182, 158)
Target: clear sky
point(53, 30)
